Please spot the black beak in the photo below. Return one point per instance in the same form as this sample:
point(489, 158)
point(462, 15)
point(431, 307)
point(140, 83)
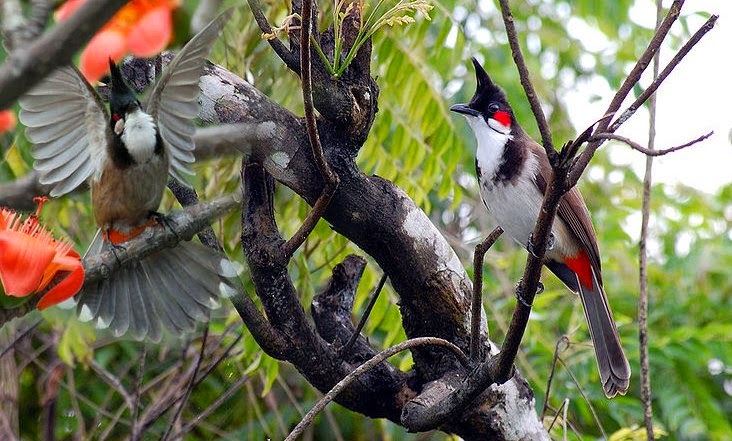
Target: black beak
point(465, 110)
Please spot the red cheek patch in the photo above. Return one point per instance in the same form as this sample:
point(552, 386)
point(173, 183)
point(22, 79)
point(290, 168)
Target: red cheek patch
point(503, 117)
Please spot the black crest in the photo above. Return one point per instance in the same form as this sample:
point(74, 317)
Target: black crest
point(487, 91)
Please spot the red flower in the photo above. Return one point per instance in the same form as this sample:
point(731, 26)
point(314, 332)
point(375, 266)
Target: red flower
point(7, 121)
point(30, 258)
point(142, 27)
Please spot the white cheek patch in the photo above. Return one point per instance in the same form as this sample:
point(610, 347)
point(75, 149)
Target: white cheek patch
point(119, 126)
point(498, 127)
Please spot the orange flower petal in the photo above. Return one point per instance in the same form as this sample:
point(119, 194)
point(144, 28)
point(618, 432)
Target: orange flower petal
point(152, 33)
point(94, 61)
point(65, 289)
point(7, 120)
point(68, 8)
point(23, 260)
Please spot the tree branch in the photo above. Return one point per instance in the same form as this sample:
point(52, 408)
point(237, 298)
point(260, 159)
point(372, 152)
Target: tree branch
point(286, 55)
point(365, 367)
point(647, 151)
point(658, 79)
point(186, 223)
point(330, 179)
point(633, 77)
point(476, 310)
point(645, 377)
point(518, 58)
point(25, 67)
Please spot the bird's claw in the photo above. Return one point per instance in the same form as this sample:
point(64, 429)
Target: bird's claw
point(551, 241)
point(117, 247)
point(519, 293)
point(163, 220)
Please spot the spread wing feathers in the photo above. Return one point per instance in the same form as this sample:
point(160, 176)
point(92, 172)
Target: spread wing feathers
point(68, 124)
point(173, 103)
point(572, 210)
point(169, 291)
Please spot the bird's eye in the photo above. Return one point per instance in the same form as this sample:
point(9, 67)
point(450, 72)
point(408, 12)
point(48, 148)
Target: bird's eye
point(115, 117)
point(493, 107)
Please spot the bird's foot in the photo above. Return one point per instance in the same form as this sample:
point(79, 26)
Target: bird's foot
point(118, 248)
point(551, 241)
point(520, 297)
point(163, 220)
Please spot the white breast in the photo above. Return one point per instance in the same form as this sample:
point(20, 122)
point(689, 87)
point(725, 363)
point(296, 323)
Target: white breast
point(139, 136)
point(513, 204)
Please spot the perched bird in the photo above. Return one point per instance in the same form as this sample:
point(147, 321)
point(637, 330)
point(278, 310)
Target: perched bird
point(513, 171)
point(126, 155)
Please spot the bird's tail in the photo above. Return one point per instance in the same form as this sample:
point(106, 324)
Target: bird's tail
point(611, 360)
point(168, 290)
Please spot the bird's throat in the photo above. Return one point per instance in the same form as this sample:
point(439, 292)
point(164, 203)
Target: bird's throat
point(139, 136)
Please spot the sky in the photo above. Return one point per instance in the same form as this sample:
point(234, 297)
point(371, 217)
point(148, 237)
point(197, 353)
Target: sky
point(695, 99)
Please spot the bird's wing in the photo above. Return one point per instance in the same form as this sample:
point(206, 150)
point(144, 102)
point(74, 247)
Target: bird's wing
point(173, 103)
point(68, 124)
point(572, 210)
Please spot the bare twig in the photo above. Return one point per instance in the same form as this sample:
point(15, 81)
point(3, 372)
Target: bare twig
point(161, 409)
point(502, 368)
point(633, 77)
point(650, 151)
point(136, 393)
point(477, 299)
point(80, 424)
point(189, 386)
point(25, 67)
point(563, 340)
point(643, 253)
point(518, 58)
point(349, 344)
point(285, 54)
point(658, 79)
point(113, 381)
point(587, 400)
point(230, 390)
point(370, 364)
point(329, 177)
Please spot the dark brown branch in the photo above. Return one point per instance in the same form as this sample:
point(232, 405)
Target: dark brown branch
point(518, 58)
point(633, 77)
point(317, 360)
point(25, 67)
point(657, 80)
point(347, 347)
point(647, 151)
point(330, 179)
point(476, 310)
point(286, 55)
point(332, 310)
point(365, 367)
point(501, 369)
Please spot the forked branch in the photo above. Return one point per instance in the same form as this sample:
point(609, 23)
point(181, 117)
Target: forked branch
point(329, 177)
